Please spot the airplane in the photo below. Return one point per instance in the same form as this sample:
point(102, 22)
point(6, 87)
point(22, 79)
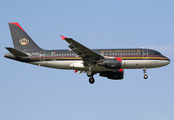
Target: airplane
point(108, 63)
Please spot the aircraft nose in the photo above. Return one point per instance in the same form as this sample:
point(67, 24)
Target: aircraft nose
point(168, 60)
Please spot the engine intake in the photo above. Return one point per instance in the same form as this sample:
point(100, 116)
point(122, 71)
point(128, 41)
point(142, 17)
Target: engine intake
point(111, 63)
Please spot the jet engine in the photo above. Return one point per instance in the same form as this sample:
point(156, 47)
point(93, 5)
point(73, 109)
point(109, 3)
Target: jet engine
point(111, 63)
point(115, 75)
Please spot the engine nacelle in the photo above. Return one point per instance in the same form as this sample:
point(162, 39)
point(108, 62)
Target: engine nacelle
point(111, 63)
point(115, 75)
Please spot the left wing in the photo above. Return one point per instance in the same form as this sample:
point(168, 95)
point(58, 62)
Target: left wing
point(85, 53)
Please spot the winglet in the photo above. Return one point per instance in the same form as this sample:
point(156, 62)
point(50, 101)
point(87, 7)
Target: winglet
point(63, 37)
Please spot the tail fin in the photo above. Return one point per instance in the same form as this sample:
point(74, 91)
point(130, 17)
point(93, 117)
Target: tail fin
point(21, 39)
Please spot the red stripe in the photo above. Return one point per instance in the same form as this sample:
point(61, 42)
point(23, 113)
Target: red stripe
point(121, 70)
point(17, 25)
point(119, 59)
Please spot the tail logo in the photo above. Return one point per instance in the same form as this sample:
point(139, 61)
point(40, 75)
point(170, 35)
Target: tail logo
point(24, 41)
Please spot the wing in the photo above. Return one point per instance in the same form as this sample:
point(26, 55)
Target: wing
point(85, 53)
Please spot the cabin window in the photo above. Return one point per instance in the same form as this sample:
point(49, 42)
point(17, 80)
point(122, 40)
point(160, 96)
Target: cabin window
point(120, 53)
point(128, 53)
point(136, 53)
point(115, 53)
point(106, 53)
point(139, 53)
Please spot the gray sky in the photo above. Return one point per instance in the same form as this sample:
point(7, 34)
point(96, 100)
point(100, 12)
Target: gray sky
point(36, 93)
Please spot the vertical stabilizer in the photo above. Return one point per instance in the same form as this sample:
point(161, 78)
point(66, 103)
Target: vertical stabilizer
point(21, 39)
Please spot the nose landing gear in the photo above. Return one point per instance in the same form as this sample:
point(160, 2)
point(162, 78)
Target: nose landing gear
point(144, 71)
point(91, 80)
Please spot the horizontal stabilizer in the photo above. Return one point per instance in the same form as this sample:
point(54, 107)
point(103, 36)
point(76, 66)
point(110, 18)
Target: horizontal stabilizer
point(16, 52)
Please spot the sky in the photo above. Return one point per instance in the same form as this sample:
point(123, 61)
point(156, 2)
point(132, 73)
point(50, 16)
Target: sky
point(37, 93)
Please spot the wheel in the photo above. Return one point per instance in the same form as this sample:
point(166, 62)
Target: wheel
point(89, 73)
point(145, 76)
point(91, 80)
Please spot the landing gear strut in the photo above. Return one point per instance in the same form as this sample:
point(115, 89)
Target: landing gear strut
point(144, 71)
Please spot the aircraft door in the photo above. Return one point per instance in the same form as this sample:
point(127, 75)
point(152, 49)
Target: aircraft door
point(42, 56)
point(145, 54)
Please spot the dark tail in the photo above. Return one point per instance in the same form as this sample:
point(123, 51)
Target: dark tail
point(21, 39)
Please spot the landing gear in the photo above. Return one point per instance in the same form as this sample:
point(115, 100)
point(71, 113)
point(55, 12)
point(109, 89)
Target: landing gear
point(145, 76)
point(90, 74)
point(91, 80)
point(144, 71)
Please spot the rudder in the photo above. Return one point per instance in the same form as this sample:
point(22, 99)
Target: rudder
point(21, 39)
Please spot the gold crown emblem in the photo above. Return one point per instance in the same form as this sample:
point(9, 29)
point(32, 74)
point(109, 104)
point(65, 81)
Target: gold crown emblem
point(24, 41)
point(138, 50)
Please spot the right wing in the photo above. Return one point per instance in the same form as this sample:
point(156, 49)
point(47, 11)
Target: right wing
point(85, 53)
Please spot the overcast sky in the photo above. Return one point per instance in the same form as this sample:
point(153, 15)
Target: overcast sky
point(29, 92)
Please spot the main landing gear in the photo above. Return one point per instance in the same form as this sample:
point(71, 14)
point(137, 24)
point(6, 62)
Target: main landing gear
point(144, 71)
point(91, 79)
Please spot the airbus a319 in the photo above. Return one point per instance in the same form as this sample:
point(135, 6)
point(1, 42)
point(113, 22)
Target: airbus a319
point(108, 63)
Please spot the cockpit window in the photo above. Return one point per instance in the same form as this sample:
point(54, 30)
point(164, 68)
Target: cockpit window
point(158, 53)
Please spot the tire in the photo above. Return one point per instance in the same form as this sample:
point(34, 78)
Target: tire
point(89, 73)
point(145, 76)
point(91, 80)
